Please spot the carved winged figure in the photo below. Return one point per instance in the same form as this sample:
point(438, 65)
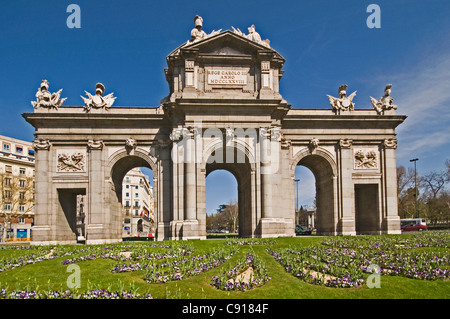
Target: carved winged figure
point(252, 35)
point(385, 102)
point(46, 99)
point(98, 101)
point(343, 102)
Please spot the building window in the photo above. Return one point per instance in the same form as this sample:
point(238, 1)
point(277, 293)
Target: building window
point(19, 149)
point(136, 212)
point(8, 169)
point(127, 186)
point(127, 203)
point(136, 204)
point(21, 183)
point(7, 181)
point(21, 195)
point(8, 207)
point(137, 187)
point(127, 194)
point(21, 208)
point(21, 220)
point(22, 171)
point(6, 147)
point(136, 194)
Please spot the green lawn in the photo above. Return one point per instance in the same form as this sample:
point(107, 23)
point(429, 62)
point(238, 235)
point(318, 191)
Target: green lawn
point(49, 275)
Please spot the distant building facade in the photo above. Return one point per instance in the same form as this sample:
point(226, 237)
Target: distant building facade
point(16, 189)
point(138, 205)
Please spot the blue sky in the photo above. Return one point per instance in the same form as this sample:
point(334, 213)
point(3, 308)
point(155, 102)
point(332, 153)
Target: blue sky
point(123, 44)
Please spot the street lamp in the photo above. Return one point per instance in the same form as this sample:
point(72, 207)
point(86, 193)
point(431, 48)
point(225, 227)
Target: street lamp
point(415, 183)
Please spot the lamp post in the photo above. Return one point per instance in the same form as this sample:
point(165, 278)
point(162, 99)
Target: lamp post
point(415, 184)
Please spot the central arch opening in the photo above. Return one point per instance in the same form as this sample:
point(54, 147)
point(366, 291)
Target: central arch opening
point(222, 207)
point(235, 163)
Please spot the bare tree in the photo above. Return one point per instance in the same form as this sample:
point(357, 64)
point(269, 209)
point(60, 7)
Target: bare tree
point(232, 212)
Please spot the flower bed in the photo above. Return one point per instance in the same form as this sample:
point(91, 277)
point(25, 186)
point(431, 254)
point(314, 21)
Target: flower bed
point(346, 262)
point(68, 294)
point(245, 275)
point(184, 267)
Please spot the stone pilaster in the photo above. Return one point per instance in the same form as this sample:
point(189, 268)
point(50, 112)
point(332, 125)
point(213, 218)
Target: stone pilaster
point(42, 230)
point(391, 220)
point(96, 221)
point(347, 190)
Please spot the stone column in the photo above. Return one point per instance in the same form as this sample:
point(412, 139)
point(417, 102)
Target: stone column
point(42, 230)
point(391, 220)
point(164, 191)
point(189, 178)
point(347, 191)
point(266, 185)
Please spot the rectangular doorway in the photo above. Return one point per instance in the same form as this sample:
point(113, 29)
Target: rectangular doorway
point(366, 209)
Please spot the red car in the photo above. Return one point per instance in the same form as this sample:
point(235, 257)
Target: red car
point(417, 225)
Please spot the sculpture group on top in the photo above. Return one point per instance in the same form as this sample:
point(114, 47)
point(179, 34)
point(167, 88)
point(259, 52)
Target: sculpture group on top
point(198, 34)
point(385, 102)
point(46, 99)
point(98, 101)
point(343, 102)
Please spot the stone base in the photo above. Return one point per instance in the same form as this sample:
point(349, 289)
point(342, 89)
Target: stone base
point(391, 225)
point(276, 227)
point(41, 234)
point(347, 227)
point(191, 230)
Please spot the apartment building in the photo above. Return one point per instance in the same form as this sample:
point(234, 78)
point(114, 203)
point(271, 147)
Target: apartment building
point(138, 203)
point(17, 173)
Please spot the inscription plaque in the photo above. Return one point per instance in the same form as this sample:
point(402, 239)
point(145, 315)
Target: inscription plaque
point(227, 77)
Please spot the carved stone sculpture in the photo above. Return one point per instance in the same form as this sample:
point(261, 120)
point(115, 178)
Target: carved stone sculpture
point(95, 145)
point(41, 144)
point(390, 143)
point(71, 162)
point(98, 101)
point(130, 143)
point(366, 159)
point(197, 33)
point(313, 144)
point(385, 102)
point(253, 36)
point(345, 143)
point(46, 99)
point(343, 102)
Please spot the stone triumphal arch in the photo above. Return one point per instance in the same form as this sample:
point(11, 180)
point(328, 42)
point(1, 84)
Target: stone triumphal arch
point(223, 111)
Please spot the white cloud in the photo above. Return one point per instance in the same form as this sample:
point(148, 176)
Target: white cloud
point(423, 94)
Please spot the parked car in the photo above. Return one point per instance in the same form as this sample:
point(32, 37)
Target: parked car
point(302, 230)
point(413, 224)
point(414, 227)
